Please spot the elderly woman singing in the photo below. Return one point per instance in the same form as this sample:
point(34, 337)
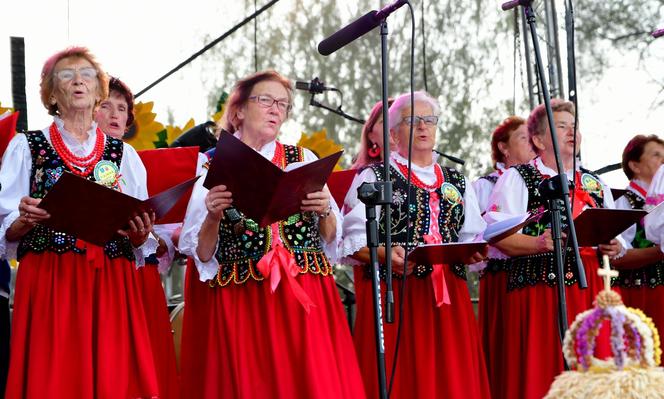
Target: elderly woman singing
point(440, 353)
point(242, 337)
point(79, 330)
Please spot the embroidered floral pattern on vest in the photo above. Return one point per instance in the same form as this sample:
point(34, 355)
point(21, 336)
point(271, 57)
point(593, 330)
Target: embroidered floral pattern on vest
point(450, 218)
point(47, 167)
point(529, 270)
point(242, 244)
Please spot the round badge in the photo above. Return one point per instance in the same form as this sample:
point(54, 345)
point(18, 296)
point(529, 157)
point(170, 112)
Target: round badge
point(106, 173)
point(590, 183)
point(451, 193)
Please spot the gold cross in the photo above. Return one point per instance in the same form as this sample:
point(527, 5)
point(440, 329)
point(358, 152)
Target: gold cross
point(606, 273)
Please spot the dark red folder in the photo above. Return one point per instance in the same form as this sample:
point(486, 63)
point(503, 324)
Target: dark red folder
point(261, 190)
point(7, 130)
point(339, 183)
point(448, 253)
point(168, 167)
point(94, 213)
point(596, 226)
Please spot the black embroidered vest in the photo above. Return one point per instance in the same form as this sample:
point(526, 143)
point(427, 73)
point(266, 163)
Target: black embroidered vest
point(490, 178)
point(450, 218)
point(242, 243)
point(539, 268)
point(647, 276)
point(47, 167)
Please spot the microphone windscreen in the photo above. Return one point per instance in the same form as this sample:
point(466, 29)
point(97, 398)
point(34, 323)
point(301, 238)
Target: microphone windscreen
point(348, 33)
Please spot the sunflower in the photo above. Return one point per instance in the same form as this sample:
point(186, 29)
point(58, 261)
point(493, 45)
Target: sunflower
point(173, 132)
point(145, 132)
point(320, 144)
point(3, 110)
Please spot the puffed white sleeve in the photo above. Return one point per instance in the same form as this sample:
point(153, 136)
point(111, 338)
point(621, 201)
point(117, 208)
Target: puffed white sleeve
point(483, 188)
point(509, 197)
point(609, 203)
point(133, 181)
point(354, 225)
point(14, 185)
point(473, 225)
point(654, 221)
point(196, 213)
point(331, 248)
point(628, 235)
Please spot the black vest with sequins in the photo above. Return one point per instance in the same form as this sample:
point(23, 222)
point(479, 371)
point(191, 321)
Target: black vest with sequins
point(450, 218)
point(647, 276)
point(539, 268)
point(242, 243)
point(47, 167)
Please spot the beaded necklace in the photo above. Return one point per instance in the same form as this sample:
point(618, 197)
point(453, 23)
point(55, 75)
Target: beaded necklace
point(81, 166)
point(419, 183)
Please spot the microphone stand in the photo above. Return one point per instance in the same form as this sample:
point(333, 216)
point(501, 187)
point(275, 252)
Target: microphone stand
point(337, 111)
point(555, 189)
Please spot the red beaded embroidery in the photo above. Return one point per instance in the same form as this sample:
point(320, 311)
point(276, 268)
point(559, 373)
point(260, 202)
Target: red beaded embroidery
point(279, 158)
point(419, 183)
point(74, 163)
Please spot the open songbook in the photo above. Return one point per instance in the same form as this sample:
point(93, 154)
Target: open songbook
point(458, 252)
point(94, 213)
point(261, 190)
point(596, 226)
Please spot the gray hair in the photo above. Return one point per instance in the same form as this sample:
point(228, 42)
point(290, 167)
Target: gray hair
point(403, 101)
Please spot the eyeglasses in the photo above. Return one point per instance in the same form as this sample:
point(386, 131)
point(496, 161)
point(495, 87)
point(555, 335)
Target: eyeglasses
point(67, 74)
point(267, 102)
point(430, 120)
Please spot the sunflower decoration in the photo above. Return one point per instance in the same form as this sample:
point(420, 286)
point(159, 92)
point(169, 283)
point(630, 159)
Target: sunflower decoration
point(171, 133)
point(146, 133)
point(3, 109)
point(320, 144)
point(221, 107)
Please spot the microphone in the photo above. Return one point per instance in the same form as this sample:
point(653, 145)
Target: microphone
point(316, 86)
point(658, 33)
point(357, 28)
point(515, 3)
point(450, 157)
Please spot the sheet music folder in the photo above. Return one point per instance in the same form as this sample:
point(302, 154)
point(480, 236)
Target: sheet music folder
point(447, 253)
point(94, 213)
point(596, 226)
point(261, 190)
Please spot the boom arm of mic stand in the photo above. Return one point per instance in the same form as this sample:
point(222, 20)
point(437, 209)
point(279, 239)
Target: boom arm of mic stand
point(337, 111)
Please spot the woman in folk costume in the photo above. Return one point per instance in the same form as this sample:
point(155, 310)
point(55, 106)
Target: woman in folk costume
point(440, 353)
point(527, 331)
point(242, 336)
point(641, 278)
point(510, 146)
point(78, 329)
point(114, 117)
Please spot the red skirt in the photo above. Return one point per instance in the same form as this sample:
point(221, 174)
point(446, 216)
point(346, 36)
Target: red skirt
point(79, 331)
point(159, 328)
point(440, 354)
point(493, 290)
point(650, 300)
point(243, 341)
point(528, 330)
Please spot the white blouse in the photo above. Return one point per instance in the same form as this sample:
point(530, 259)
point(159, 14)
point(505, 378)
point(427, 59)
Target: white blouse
point(197, 211)
point(510, 198)
point(654, 222)
point(354, 224)
point(623, 203)
point(483, 187)
point(15, 182)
